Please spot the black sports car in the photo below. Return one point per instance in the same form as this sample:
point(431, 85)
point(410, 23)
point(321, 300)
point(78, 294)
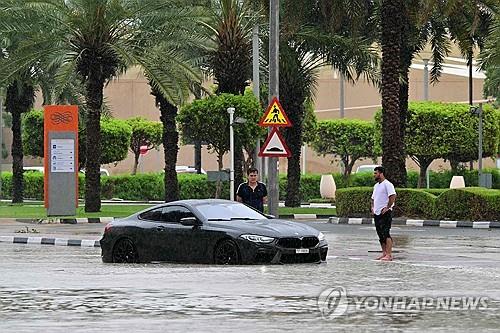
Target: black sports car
point(210, 231)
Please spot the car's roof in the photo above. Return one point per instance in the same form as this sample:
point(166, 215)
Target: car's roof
point(196, 202)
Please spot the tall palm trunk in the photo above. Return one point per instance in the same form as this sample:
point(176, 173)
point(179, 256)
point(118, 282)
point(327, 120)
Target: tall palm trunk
point(293, 138)
point(19, 99)
point(292, 97)
point(94, 98)
point(393, 157)
point(170, 139)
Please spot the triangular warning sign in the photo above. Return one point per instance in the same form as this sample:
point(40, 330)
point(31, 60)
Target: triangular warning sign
point(275, 146)
point(275, 115)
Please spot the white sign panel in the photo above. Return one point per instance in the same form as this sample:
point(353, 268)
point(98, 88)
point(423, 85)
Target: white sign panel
point(62, 155)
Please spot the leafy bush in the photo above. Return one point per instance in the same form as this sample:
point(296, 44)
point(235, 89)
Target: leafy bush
point(309, 187)
point(353, 201)
point(469, 204)
point(128, 187)
point(457, 204)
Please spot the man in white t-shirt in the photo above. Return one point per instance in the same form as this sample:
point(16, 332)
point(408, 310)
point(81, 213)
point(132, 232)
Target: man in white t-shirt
point(382, 202)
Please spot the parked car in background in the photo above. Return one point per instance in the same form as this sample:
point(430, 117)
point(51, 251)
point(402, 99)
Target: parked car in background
point(187, 169)
point(366, 168)
point(34, 169)
point(102, 171)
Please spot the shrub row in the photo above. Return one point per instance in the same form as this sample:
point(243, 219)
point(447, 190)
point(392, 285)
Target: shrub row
point(473, 204)
point(150, 186)
point(127, 187)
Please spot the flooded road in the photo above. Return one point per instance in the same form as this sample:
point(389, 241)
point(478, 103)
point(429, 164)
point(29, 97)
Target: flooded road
point(60, 289)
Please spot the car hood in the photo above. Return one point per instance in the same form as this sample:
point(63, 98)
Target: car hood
point(266, 227)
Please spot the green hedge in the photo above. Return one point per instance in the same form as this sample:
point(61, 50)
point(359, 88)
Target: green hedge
point(476, 204)
point(355, 202)
point(457, 204)
point(138, 187)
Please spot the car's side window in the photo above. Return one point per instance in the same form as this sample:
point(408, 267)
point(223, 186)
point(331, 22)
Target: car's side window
point(153, 215)
point(174, 214)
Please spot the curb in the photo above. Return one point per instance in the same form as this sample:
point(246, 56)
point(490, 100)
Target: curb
point(62, 220)
point(420, 223)
point(305, 216)
point(50, 241)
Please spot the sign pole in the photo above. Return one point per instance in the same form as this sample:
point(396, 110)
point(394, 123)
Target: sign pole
point(1, 141)
point(273, 92)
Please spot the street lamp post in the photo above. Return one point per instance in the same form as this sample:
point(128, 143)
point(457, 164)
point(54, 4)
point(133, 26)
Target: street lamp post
point(231, 149)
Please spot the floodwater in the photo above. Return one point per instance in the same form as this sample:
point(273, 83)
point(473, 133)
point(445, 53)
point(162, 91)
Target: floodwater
point(60, 289)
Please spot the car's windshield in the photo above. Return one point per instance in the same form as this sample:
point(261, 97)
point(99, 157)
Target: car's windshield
point(228, 212)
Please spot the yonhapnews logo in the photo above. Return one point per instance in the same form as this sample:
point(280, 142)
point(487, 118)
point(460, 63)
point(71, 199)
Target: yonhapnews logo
point(335, 302)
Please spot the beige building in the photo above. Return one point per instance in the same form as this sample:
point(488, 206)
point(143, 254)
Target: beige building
point(129, 96)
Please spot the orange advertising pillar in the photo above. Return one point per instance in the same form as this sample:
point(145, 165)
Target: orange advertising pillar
point(61, 159)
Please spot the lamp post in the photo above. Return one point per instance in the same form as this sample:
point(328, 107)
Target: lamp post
point(232, 121)
point(231, 149)
point(1, 141)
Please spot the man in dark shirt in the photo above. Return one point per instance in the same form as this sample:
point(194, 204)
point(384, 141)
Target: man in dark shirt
point(252, 193)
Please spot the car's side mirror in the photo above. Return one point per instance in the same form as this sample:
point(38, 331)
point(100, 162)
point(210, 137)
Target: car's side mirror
point(190, 221)
point(269, 216)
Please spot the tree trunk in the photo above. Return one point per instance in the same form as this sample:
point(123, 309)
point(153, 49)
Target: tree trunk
point(454, 166)
point(136, 162)
point(94, 97)
point(218, 187)
point(170, 139)
point(424, 165)
point(197, 156)
point(350, 165)
point(19, 99)
point(293, 138)
point(393, 157)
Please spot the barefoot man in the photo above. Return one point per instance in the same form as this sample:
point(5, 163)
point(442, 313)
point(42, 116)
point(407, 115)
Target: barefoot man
point(383, 199)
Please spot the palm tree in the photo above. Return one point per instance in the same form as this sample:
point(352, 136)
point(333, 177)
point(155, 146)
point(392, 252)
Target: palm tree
point(19, 98)
point(97, 40)
point(392, 144)
point(230, 62)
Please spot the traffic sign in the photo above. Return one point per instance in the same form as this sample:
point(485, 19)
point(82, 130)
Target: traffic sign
point(275, 145)
point(275, 115)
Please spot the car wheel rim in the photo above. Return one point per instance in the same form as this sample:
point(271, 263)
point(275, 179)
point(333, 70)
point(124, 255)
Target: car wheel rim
point(124, 252)
point(226, 254)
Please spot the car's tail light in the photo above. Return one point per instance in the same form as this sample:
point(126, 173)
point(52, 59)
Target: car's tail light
point(107, 228)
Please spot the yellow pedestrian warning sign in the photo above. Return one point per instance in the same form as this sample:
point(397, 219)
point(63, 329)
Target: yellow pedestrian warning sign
point(275, 116)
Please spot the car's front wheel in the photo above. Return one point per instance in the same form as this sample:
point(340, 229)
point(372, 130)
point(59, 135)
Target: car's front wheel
point(226, 253)
point(124, 251)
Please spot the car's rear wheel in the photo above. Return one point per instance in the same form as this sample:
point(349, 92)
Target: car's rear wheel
point(226, 253)
point(124, 251)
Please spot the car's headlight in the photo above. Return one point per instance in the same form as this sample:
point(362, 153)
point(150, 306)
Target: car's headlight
point(321, 236)
point(257, 238)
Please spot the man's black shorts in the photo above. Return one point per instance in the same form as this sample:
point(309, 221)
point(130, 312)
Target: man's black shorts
point(383, 225)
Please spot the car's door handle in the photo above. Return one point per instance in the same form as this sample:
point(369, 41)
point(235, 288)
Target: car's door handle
point(160, 228)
